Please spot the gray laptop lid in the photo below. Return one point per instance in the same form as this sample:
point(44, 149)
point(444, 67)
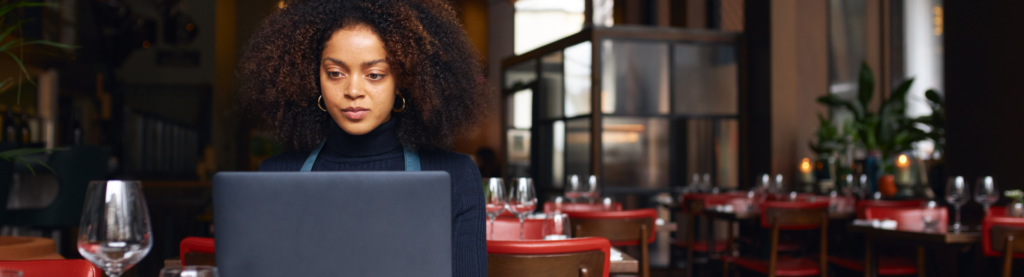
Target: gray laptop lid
point(390, 223)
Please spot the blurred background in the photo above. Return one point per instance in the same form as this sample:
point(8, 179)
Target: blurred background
point(643, 94)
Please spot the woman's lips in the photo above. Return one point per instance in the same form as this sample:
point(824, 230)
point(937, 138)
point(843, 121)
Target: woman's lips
point(355, 113)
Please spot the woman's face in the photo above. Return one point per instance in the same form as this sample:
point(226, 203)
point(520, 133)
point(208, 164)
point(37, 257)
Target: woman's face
point(357, 84)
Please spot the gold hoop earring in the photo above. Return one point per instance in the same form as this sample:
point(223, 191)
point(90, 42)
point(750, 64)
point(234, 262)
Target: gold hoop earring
point(318, 103)
point(403, 104)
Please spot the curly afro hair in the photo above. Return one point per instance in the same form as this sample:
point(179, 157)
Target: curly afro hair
point(438, 71)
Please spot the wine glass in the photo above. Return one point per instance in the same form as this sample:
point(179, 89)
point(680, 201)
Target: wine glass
point(574, 189)
point(494, 199)
point(862, 186)
point(778, 188)
point(190, 271)
point(957, 195)
point(522, 199)
point(115, 233)
point(556, 226)
point(985, 192)
point(591, 191)
point(930, 216)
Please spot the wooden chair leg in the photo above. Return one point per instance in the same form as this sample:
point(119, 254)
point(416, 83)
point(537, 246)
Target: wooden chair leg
point(773, 255)
point(584, 272)
point(920, 261)
point(823, 256)
point(1008, 257)
point(867, 256)
point(645, 267)
point(689, 244)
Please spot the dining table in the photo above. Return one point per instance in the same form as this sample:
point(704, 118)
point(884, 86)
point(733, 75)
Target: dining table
point(921, 239)
point(623, 263)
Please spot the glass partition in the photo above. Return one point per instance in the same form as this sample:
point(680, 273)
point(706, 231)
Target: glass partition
point(634, 152)
point(577, 79)
point(705, 79)
point(634, 77)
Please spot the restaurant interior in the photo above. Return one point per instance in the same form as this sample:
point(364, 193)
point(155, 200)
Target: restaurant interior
point(628, 137)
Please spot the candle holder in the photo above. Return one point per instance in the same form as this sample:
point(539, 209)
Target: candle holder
point(910, 175)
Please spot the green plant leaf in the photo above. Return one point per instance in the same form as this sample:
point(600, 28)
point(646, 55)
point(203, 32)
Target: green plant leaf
point(934, 97)
point(41, 163)
point(835, 102)
point(22, 66)
point(900, 93)
point(866, 85)
point(26, 165)
point(50, 43)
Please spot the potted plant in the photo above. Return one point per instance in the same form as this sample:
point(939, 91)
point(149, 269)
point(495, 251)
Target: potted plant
point(882, 133)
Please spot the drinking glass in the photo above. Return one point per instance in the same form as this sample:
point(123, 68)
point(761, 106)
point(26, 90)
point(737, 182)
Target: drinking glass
point(862, 186)
point(930, 216)
point(556, 226)
point(522, 199)
point(10, 273)
point(849, 188)
point(985, 192)
point(574, 189)
point(778, 188)
point(190, 271)
point(494, 200)
point(957, 195)
point(591, 191)
point(115, 233)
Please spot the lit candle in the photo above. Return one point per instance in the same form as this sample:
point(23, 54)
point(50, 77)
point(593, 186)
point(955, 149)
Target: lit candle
point(805, 171)
point(903, 170)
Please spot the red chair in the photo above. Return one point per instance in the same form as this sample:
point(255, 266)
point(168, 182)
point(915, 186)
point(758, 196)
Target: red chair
point(621, 228)
point(778, 216)
point(996, 211)
point(694, 205)
point(999, 237)
point(197, 251)
point(572, 257)
point(906, 219)
point(68, 268)
point(864, 204)
point(507, 228)
point(550, 206)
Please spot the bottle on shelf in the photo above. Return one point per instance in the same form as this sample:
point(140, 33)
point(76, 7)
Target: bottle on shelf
point(11, 133)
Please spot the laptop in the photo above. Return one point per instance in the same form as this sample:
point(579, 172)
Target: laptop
point(395, 223)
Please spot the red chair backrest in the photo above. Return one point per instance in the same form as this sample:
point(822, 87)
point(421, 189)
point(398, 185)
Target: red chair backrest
point(548, 247)
point(507, 228)
point(794, 215)
point(997, 211)
point(864, 204)
point(616, 226)
point(195, 244)
point(582, 207)
point(991, 241)
point(911, 219)
point(68, 268)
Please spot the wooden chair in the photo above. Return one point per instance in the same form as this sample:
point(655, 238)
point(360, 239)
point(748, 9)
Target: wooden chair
point(1003, 236)
point(864, 204)
point(693, 206)
point(197, 251)
point(584, 257)
point(778, 216)
point(621, 228)
point(68, 268)
point(551, 206)
point(888, 265)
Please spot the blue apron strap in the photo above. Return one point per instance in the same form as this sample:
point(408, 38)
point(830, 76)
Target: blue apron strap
point(412, 158)
point(308, 165)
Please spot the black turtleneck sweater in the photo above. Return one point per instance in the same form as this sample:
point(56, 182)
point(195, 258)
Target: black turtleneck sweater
point(380, 150)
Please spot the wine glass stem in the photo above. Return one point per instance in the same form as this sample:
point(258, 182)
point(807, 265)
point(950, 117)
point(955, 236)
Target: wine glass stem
point(958, 216)
point(492, 227)
point(520, 228)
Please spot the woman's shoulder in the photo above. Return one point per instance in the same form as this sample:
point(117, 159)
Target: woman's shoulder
point(287, 161)
point(458, 165)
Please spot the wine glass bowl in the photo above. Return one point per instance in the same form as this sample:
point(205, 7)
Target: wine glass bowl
point(494, 200)
point(522, 200)
point(115, 232)
point(591, 190)
point(985, 192)
point(573, 189)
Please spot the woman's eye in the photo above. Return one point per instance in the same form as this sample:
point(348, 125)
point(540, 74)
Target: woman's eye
point(333, 74)
point(375, 76)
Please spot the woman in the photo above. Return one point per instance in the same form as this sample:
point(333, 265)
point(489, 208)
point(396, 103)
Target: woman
point(370, 85)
